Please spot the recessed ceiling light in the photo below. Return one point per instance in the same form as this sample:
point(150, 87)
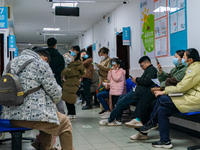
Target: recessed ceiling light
point(51, 29)
point(64, 5)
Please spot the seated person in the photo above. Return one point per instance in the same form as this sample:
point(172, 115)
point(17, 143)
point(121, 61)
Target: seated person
point(38, 110)
point(144, 107)
point(116, 76)
point(166, 106)
point(144, 85)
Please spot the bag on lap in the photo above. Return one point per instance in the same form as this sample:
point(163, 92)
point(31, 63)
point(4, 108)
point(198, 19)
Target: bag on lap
point(11, 92)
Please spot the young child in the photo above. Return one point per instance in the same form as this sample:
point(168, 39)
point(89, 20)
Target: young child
point(116, 76)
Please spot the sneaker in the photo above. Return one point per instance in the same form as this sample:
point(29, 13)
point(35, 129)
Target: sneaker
point(101, 112)
point(106, 115)
point(148, 127)
point(160, 144)
point(86, 107)
point(74, 116)
point(70, 116)
point(103, 122)
point(134, 124)
point(139, 136)
point(115, 123)
point(79, 101)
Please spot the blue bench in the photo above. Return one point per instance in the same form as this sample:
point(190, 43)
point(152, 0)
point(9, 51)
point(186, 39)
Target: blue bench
point(16, 134)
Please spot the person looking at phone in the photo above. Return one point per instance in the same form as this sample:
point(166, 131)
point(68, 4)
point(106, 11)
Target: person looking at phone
point(144, 107)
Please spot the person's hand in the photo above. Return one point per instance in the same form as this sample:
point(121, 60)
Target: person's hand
point(134, 80)
point(158, 93)
point(82, 54)
point(159, 68)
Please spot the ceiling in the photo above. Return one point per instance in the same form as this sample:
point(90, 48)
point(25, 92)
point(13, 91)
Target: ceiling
point(31, 16)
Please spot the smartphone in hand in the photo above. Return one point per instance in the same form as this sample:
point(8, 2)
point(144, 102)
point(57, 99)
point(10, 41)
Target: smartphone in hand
point(158, 63)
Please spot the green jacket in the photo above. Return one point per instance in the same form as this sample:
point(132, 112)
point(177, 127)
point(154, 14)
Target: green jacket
point(72, 75)
point(176, 75)
point(190, 86)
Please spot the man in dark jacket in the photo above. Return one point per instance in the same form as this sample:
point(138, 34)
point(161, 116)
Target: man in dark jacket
point(57, 64)
point(144, 85)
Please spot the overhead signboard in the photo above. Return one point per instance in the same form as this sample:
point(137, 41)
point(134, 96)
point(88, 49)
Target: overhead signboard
point(126, 36)
point(3, 17)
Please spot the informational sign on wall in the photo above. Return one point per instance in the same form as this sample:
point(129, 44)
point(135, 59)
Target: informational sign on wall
point(3, 17)
point(12, 43)
point(161, 28)
point(147, 28)
point(178, 25)
point(16, 52)
point(126, 36)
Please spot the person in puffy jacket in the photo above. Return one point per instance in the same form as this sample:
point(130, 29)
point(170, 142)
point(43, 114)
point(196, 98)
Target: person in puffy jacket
point(116, 78)
point(87, 78)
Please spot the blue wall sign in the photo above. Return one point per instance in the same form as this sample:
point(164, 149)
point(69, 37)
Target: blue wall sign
point(3, 17)
point(126, 36)
point(16, 52)
point(11, 42)
point(94, 46)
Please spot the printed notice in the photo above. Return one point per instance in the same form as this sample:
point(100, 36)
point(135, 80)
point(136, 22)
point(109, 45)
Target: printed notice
point(163, 23)
point(181, 4)
point(157, 10)
point(181, 20)
point(173, 6)
point(157, 28)
point(163, 7)
point(157, 47)
point(164, 45)
point(174, 25)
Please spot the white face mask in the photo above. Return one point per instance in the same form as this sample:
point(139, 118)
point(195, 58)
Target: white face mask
point(102, 57)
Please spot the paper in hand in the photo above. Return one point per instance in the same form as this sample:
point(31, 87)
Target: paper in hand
point(156, 81)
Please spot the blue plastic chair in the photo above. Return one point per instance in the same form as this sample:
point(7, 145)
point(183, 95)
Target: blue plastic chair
point(16, 134)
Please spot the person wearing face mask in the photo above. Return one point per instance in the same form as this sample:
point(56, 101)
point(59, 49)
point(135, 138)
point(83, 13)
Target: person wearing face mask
point(176, 74)
point(116, 76)
point(72, 74)
point(87, 77)
point(104, 67)
point(166, 106)
point(143, 109)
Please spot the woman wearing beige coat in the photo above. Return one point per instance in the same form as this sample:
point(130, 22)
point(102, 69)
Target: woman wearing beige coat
point(166, 105)
point(104, 67)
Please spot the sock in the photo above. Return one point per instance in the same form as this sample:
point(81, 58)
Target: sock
point(138, 119)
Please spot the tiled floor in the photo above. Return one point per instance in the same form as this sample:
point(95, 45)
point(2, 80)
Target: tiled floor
point(89, 135)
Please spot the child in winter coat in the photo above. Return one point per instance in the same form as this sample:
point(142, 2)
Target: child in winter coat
point(116, 76)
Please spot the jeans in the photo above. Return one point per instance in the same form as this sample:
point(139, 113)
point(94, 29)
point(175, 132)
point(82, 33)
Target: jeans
point(101, 97)
point(123, 102)
point(86, 90)
point(163, 109)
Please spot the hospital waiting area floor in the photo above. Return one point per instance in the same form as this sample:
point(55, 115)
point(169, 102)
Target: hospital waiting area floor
point(89, 135)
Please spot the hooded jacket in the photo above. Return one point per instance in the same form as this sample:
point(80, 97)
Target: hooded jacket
point(40, 105)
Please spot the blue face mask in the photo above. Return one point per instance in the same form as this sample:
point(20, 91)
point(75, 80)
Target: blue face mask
point(73, 53)
point(183, 62)
point(113, 63)
point(175, 61)
point(85, 56)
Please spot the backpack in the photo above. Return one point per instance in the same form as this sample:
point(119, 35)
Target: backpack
point(11, 92)
point(100, 88)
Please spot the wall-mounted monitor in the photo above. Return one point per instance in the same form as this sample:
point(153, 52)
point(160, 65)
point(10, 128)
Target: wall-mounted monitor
point(67, 11)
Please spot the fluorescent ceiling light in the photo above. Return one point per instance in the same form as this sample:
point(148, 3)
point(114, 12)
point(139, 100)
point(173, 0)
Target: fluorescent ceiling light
point(51, 29)
point(64, 4)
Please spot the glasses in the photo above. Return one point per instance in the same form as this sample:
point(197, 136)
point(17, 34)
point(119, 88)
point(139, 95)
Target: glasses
point(141, 66)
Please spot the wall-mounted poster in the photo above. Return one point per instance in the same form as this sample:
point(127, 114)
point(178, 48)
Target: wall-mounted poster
point(181, 20)
point(147, 28)
point(163, 27)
